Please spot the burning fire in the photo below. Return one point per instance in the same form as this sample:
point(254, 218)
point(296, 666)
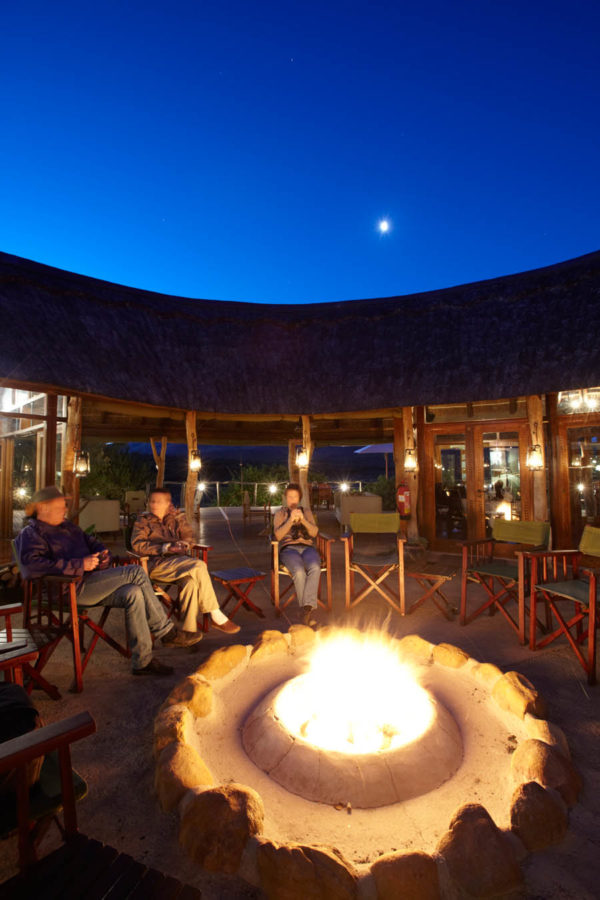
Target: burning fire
point(357, 697)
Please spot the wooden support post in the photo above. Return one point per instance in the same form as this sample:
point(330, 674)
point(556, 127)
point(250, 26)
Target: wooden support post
point(7, 450)
point(303, 472)
point(159, 459)
point(192, 477)
point(535, 415)
point(72, 440)
point(411, 478)
point(292, 467)
point(398, 449)
point(49, 475)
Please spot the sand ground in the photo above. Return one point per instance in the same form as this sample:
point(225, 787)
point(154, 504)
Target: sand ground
point(117, 762)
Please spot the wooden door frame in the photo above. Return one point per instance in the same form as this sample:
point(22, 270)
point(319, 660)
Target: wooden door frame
point(473, 433)
point(560, 499)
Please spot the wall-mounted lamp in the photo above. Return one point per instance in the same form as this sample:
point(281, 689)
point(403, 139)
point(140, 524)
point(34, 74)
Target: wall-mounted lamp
point(195, 461)
point(410, 460)
point(535, 459)
point(81, 463)
point(302, 457)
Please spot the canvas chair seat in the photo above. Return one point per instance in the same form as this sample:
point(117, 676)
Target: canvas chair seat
point(575, 589)
point(383, 558)
point(501, 568)
point(278, 570)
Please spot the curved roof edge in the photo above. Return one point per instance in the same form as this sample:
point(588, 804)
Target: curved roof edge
point(519, 334)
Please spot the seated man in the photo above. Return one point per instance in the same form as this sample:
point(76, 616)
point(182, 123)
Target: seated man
point(51, 545)
point(295, 529)
point(165, 535)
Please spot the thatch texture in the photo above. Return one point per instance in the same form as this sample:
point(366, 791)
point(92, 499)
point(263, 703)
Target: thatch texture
point(521, 334)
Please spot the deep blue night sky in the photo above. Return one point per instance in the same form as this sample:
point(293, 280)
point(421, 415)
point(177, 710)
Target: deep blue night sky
point(247, 151)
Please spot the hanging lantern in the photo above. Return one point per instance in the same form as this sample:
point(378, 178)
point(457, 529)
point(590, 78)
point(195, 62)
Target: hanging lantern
point(410, 460)
point(195, 461)
point(302, 457)
point(535, 460)
point(81, 463)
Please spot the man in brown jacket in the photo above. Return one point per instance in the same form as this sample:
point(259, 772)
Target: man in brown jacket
point(165, 535)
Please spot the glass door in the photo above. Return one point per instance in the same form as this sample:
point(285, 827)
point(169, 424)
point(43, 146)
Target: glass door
point(584, 478)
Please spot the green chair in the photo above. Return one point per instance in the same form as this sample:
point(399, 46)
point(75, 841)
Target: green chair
point(375, 565)
point(566, 582)
point(503, 580)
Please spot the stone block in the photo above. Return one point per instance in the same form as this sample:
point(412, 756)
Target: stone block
point(222, 661)
point(295, 872)
point(412, 876)
point(195, 692)
point(534, 760)
point(301, 637)
point(414, 647)
point(178, 769)
point(487, 674)
point(547, 732)
point(480, 858)
point(216, 824)
point(450, 656)
point(172, 723)
point(516, 694)
point(536, 817)
point(270, 643)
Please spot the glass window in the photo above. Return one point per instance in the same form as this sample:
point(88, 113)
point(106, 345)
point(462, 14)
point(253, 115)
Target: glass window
point(501, 476)
point(586, 400)
point(584, 478)
point(450, 486)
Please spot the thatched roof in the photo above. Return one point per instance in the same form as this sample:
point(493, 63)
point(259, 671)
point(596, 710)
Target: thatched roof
point(521, 334)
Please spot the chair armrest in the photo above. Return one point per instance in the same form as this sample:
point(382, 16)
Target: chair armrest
point(133, 555)
point(475, 542)
point(11, 609)
point(538, 554)
point(326, 537)
point(43, 740)
point(201, 547)
point(58, 579)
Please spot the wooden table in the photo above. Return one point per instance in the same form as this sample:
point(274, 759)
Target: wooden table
point(239, 582)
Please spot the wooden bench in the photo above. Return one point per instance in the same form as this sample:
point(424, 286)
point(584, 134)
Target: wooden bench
point(503, 580)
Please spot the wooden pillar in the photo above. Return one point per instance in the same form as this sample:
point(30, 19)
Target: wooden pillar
point(411, 478)
point(535, 415)
point(72, 442)
point(191, 483)
point(49, 473)
point(398, 449)
point(159, 459)
point(303, 472)
point(7, 450)
point(558, 466)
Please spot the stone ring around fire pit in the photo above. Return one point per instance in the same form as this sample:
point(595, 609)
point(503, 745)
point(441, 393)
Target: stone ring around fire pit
point(221, 825)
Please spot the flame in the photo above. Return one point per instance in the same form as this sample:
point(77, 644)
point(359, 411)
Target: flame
point(357, 697)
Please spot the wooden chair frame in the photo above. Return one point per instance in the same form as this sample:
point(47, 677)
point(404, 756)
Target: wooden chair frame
point(278, 570)
point(50, 613)
point(17, 753)
point(199, 551)
point(556, 581)
point(502, 580)
point(374, 574)
point(16, 658)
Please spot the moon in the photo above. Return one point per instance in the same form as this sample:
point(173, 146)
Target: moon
point(383, 226)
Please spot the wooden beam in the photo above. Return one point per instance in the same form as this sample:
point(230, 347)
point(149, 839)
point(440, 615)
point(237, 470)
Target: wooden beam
point(192, 477)
point(535, 415)
point(72, 441)
point(159, 459)
point(49, 476)
point(411, 478)
point(7, 450)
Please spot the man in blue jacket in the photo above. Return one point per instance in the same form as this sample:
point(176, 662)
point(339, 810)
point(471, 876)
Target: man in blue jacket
point(51, 545)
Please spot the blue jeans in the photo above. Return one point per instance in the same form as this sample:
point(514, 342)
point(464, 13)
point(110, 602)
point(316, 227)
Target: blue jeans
point(304, 565)
point(128, 588)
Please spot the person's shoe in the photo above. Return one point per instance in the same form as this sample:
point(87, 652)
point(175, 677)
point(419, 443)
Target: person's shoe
point(174, 638)
point(154, 667)
point(308, 616)
point(227, 627)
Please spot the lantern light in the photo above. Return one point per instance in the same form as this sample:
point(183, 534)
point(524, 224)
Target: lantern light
point(410, 460)
point(272, 488)
point(535, 460)
point(201, 486)
point(302, 457)
point(344, 487)
point(81, 463)
point(195, 461)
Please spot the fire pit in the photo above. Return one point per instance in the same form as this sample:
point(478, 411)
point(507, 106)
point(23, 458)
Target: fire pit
point(356, 726)
point(416, 767)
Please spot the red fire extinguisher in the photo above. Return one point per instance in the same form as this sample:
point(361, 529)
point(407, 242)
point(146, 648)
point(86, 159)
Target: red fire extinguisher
point(403, 500)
